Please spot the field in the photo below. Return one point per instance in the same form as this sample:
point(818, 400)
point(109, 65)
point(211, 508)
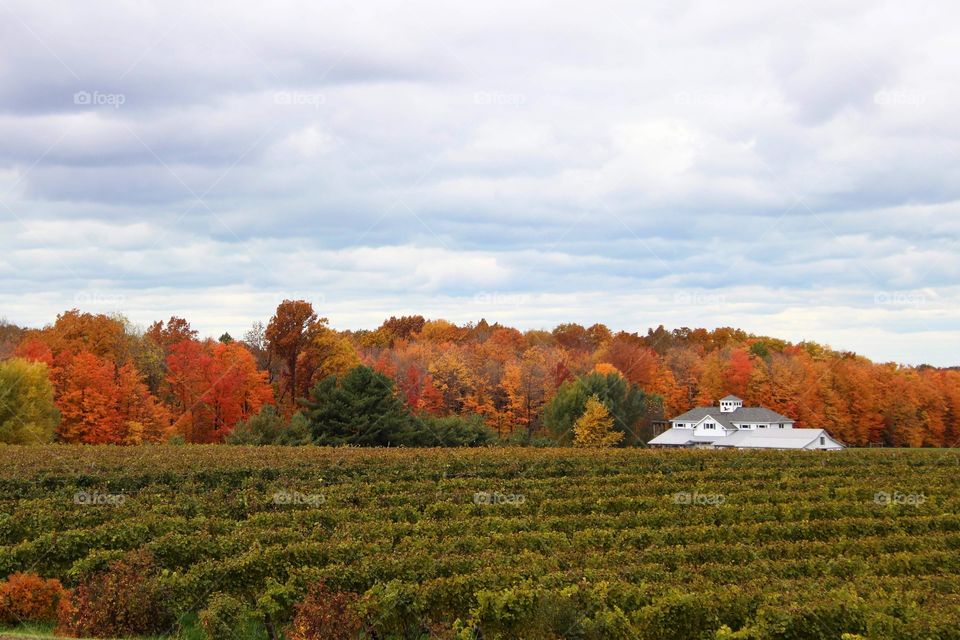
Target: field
point(511, 543)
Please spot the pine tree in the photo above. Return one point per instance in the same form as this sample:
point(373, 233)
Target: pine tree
point(359, 409)
point(595, 427)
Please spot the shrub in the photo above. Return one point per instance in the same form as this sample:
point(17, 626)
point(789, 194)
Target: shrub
point(26, 597)
point(269, 427)
point(122, 601)
point(678, 616)
point(455, 431)
point(224, 617)
point(326, 615)
point(275, 606)
point(393, 610)
point(838, 613)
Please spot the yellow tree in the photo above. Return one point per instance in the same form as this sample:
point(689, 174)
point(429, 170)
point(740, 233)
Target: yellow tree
point(330, 353)
point(27, 412)
point(595, 427)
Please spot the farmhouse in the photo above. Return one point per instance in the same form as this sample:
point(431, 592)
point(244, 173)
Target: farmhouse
point(732, 425)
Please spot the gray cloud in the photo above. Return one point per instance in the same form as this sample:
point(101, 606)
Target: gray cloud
point(790, 170)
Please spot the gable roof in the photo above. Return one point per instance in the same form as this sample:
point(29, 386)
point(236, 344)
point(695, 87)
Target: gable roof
point(730, 397)
point(773, 439)
point(683, 437)
point(699, 413)
point(740, 414)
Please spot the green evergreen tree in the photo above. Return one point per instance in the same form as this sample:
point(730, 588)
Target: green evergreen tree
point(627, 403)
point(359, 409)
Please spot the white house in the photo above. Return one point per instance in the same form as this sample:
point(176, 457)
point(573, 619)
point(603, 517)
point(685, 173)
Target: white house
point(732, 425)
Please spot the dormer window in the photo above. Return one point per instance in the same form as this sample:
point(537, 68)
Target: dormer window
point(730, 404)
point(709, 425)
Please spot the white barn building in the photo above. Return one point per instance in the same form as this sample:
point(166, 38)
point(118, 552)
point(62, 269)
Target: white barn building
point(732, 425)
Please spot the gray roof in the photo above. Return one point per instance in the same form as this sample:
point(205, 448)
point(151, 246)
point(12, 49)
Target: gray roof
point(757, 414)
point(741, 414)
point(731, 397)
point(680, 437)
point(772, 439)
point(699, 413)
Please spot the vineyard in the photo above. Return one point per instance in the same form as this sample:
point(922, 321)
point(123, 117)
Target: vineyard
point(500, 542)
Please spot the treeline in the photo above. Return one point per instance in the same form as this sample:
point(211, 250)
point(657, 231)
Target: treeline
point(91, 378)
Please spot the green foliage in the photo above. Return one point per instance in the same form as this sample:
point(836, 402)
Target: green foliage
point(296, 432)
point(227, 618)
point(524, 439)
point(275, 606)
point(567, 543)
point(627, 403)
point(27, 412)
point(454, 431)
point(269, 427)
point(678, 616)
point(838, 613)
point(393, 610)
point(360, 409)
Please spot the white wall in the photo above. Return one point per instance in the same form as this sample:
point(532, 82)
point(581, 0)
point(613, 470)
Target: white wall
point(717, 430)
point(829, 443)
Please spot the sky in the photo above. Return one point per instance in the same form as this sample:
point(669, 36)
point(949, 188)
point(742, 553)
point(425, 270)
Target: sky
point(791, 168)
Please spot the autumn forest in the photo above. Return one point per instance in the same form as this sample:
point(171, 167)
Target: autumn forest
point(89, 378)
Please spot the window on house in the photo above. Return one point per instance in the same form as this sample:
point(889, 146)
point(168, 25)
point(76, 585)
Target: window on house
point(781, 426)
point(709, 425)
point(823, 441)
point(761, 426)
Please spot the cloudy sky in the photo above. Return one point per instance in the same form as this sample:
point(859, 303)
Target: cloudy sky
point(793, 170)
